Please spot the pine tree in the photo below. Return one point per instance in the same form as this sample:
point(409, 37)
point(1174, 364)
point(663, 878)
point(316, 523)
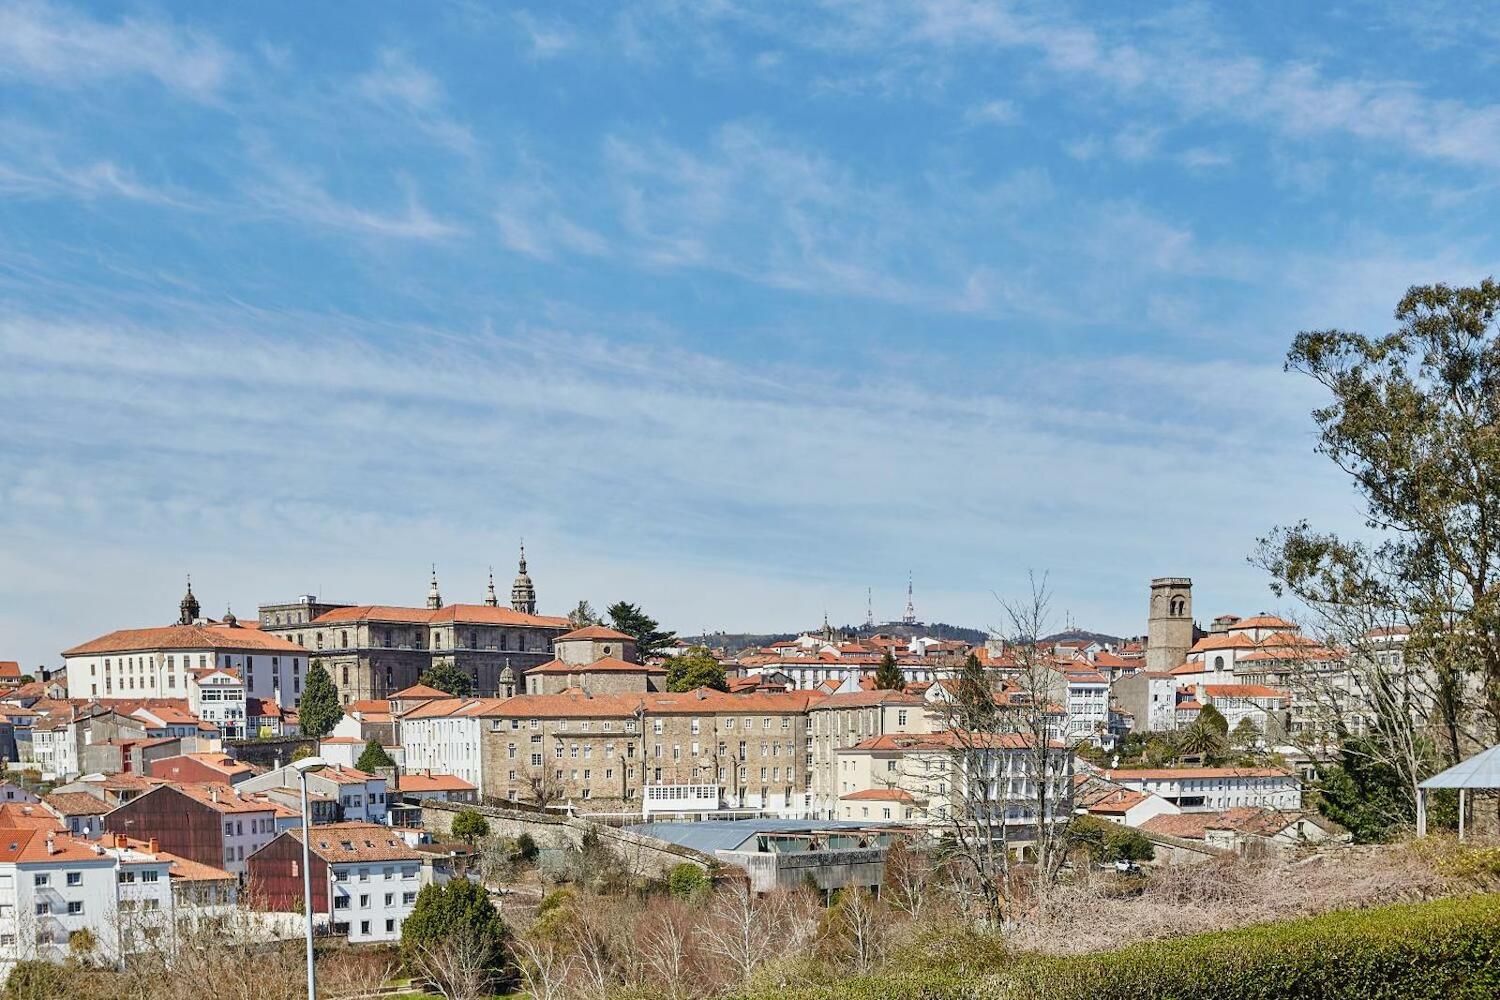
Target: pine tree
point(888, 674)
point(976, 709)
point(319, 709)
point(650, 638)
point(373, 758)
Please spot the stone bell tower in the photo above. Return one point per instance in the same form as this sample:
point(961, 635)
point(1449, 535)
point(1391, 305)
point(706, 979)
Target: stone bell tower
point(1169, 627)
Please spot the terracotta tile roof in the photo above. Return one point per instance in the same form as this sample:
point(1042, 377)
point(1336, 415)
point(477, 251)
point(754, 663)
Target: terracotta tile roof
point(426, 781)
point(23, 816)
point(1227, 641)
point(76, 804)
point(1190, 667)
point(1191, 705)
point(419, 691)
point(31, 846)
point(182, 869)
point(880, 795)
point(607, 665)
point(1243, 691)
point(595, 632)
point(1263, 621)
point(220, 798)
point(946, 740)
point(1181, 773)
point(868, 699)
point(344, 843)
point(1112, 801)
point(1255, 820)
point(467, 614)
point(10, 670)
point(195, 637)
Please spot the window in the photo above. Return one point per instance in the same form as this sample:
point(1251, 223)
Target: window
point(40, 879)
point(75, 878)
point(75, 907)
point(364, 927)
point(42, 909)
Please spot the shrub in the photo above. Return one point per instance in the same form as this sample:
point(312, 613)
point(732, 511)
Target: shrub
point(526, 848)
point(1448, 949)
point(33, 979)
point(687, 880)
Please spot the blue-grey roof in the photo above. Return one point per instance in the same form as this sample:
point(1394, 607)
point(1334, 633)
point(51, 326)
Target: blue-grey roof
point(1480, 771)
point(733, 834)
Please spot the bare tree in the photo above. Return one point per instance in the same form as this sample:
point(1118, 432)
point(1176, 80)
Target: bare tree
point(861, 925)
point(545, 968)
point(457, 966)
point(665, 944)
point(738, 929)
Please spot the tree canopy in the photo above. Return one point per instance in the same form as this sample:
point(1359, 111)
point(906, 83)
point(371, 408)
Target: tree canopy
point(373, 757)
point(446, 677)
point(1411, 418)
point(1214, 719)
point(319, 710)
point(650, 638)
point(456, 911)
point(888, 674)
point(470, 826)
point(974, 705)
point(695, 669)
point(583, 615)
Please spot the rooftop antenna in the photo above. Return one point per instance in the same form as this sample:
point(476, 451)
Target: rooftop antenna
point(870, 606)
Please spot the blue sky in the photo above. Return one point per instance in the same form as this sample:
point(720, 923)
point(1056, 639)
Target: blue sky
point(731, 309)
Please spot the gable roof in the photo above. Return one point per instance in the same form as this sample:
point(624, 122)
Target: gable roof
point(607, 665)
point(464, 614)
point(595, 632)
point(343, 843)
point(194, 637)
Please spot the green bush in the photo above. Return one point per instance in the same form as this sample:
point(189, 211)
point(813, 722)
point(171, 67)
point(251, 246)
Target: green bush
point(687, 880)
point(1443, 950)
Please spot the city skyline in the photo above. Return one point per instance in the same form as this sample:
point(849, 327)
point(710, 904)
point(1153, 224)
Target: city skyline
point(731, 312)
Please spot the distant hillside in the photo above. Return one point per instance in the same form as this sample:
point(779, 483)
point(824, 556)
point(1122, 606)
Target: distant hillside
point(733, 642)
point(1078, 633)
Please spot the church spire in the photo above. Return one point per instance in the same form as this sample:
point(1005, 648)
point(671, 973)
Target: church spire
point(188, 610)
point(491, 600)
point(522, 592)
point(434, 599)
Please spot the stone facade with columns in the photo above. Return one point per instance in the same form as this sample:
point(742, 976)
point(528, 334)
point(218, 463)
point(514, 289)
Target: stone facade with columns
point(373, 650)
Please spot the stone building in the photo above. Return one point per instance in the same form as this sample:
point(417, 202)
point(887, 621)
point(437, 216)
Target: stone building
point(842, 720)
point(698, 751)
point(1169, 629)
point(597, 660)
point(374, 650)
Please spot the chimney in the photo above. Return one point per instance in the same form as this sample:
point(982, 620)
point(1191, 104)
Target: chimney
point(153, 845)
point(213, 795)
point(120, 840)
point(51, 844)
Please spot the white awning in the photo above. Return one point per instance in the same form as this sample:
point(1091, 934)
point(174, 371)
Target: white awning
point(1480, 771)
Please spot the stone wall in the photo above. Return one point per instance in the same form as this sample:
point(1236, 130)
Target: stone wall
point(553, 830)
point(268, 753)
point(828, 870)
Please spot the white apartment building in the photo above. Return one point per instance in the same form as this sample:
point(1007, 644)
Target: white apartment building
point(924, 778)
point(1195, 789)
point(361, 797)
point(1087, 706)
point(365, 878)
point(443, 735)
point(842, 720)
point(217, 696)
point(159, 663)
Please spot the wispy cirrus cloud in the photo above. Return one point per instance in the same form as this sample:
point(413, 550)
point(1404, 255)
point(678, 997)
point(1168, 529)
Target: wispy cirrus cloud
point(55, 44)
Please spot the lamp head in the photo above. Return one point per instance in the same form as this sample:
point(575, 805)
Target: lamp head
point(310, 765)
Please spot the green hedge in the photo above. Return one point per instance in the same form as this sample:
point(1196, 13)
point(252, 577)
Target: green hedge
point(1443, 950)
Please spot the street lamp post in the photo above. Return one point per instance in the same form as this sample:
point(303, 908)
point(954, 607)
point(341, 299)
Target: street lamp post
point(306, 766)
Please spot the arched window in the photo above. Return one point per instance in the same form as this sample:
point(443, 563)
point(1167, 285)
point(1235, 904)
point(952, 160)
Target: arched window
point(1178, 606)
point(1218, 663)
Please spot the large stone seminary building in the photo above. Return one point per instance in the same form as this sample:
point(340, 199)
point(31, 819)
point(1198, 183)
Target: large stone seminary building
point(374, 650)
